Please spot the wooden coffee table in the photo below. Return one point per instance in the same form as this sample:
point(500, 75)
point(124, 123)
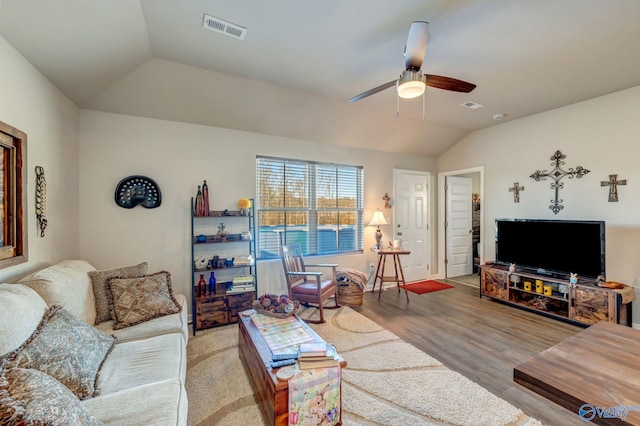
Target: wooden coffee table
point(597, 366)
point(271, 394)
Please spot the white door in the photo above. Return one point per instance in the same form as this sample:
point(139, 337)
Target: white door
point(411, 222)
point(458, 231)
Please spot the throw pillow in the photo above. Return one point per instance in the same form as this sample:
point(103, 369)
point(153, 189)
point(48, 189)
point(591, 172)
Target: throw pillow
point(136, 300)
point(31, 397)
point(99, 281)
point(66, 348)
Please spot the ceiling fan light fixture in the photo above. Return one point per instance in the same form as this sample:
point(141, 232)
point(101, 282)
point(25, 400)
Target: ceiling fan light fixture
point(410, 84)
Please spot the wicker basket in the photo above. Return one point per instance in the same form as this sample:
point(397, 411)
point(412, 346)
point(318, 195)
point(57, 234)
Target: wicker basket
point(349, 294)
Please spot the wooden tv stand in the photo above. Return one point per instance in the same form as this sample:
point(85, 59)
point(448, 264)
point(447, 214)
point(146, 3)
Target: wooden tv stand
point(583, 303)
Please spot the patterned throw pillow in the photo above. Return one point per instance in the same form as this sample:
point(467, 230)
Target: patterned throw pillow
point(66, 348)
point(31, 397)
point(136, 300)
point(99, 281)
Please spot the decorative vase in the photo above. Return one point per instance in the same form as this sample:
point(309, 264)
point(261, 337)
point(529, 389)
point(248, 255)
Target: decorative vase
point(199, 207)
point(202, 286)
point(212, 283)
point(205, 197)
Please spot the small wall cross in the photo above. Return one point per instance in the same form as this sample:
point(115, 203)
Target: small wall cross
point(516, 191)
point(613, 183)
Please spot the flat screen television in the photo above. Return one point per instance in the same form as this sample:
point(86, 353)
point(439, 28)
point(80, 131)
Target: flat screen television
point(552, 247)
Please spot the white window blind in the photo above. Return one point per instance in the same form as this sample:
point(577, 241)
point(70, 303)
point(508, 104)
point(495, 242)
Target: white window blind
point(318, 205)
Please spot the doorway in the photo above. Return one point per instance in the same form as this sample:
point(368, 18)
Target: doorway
point(446, 247)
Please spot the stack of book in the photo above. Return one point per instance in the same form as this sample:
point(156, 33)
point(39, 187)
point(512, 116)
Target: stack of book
point(317, 355)
point(241, 284)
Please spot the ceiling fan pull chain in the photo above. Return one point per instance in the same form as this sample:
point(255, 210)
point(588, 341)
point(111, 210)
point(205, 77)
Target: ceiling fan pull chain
point(423, 102)
point(397, 106)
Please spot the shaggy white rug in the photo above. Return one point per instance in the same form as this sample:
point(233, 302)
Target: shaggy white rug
point(386, 381)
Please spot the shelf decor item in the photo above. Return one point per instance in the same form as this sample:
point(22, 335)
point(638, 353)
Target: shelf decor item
point(244, 204)
point(199, 207)
point(205, 198)
point(276, 306)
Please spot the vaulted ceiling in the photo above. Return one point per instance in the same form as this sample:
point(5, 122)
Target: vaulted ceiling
point(300, 61)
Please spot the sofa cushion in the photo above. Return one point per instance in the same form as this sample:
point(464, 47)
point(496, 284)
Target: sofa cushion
point(21, 312)
point(66, 284)
point(159, 404)
point(67, 349)
point(140, 362)
point(99, 283)
point(29, 396)
point(174, 323)
point(136, 300)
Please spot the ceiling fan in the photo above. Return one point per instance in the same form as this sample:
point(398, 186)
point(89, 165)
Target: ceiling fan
point(412, 82)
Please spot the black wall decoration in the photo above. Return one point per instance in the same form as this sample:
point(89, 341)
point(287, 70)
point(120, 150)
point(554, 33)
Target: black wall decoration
point(557, 173)
point(138, 190)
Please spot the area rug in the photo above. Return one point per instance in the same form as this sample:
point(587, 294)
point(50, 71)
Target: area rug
point(386, 382)
point(422, 287)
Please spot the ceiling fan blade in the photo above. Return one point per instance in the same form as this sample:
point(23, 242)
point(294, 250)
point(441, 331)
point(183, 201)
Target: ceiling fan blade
point(416, 45)
point(373, 91)
point(448, 83)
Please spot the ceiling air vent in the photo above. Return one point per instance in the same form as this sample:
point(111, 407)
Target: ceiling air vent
point(472, 105)
point(221, 26)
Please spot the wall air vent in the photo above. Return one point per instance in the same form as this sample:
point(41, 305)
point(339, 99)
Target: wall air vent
point(223, 27)
point(471, 105)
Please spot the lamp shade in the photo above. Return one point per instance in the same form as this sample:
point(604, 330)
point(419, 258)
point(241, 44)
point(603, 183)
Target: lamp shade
point(378, 219)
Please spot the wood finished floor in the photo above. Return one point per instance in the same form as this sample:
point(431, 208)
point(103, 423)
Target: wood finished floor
point(479, 338)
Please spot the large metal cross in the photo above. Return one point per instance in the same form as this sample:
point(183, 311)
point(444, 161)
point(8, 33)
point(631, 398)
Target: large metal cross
point(556, 174)
point(613, 183)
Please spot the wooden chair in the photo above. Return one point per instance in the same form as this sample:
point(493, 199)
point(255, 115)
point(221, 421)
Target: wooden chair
point(308, 286)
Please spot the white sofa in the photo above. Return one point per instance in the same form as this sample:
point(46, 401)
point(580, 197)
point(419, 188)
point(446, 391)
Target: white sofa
point(141, 381)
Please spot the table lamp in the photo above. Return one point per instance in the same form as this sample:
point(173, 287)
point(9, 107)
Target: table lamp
point(377, 220)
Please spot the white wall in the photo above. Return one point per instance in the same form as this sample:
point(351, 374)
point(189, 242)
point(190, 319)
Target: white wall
point(601, 135)
point(50, 120)
point(180, 156)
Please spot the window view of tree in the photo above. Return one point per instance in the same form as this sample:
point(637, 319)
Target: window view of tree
point(318, 205)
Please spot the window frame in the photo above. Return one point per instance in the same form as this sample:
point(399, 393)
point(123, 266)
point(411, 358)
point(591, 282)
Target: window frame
point(312, 210)
point(16, 251)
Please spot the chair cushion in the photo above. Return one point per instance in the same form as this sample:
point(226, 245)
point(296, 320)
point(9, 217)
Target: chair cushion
point(311, 289)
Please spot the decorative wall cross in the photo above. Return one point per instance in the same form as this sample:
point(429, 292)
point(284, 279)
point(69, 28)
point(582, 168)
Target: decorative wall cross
point(516, 191)
point(557, 174)
point(613, 183)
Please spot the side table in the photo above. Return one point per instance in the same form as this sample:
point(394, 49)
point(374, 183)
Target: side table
point(398, 276)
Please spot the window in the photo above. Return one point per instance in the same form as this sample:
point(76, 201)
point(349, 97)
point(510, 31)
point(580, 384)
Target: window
point(13, 197)
point(318, 205)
